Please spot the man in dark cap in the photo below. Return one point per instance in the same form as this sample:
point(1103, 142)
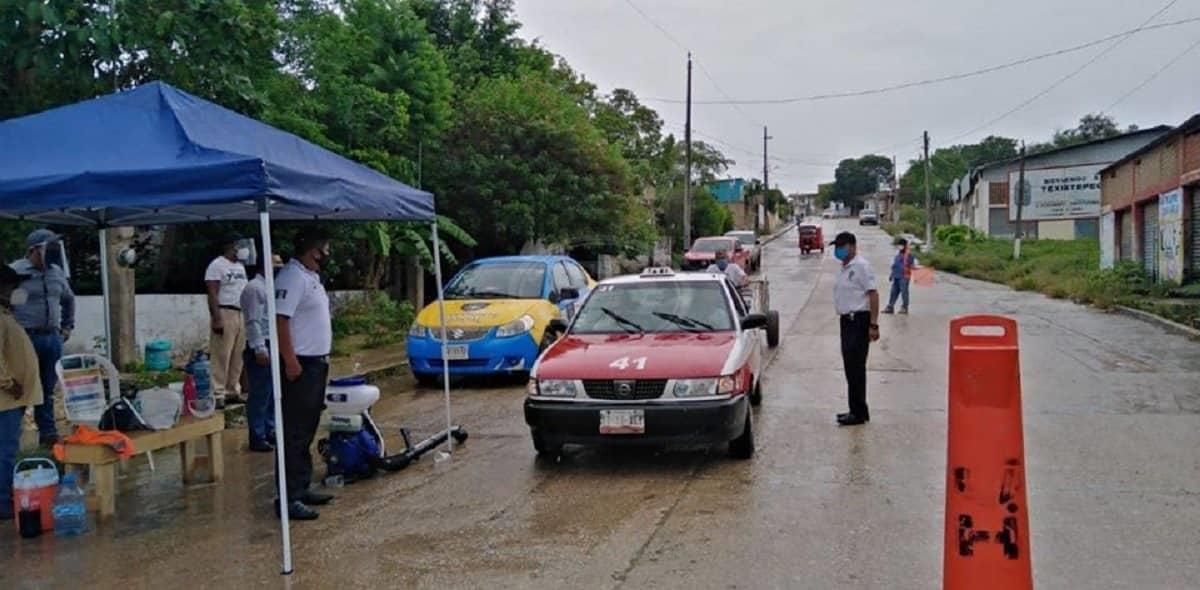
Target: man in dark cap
point(44, 305)
point(305, 339)
point(857, 304)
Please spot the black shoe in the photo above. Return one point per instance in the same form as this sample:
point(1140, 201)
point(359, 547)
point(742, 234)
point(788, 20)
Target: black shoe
point(261, 447)
point(850, 420)
point(843, 416)
point(48, 441)
point(298, 511)
point(312, 498)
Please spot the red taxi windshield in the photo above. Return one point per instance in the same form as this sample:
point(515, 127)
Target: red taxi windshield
point(651, 307)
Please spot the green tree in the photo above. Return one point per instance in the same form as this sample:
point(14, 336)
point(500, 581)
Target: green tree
point(952, 163)
point(856, 177)
point(524, 162)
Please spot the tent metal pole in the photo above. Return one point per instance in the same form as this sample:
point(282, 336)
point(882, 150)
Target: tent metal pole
point(264, 219)
point(108, 344)
point(437, 272)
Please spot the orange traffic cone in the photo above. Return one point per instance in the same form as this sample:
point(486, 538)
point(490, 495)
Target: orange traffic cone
point(987, 517)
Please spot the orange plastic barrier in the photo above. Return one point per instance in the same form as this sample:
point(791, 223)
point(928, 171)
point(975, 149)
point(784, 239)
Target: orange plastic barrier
point(987, 517)
point(923, 276)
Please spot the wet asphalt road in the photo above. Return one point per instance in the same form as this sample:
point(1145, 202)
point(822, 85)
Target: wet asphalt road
point(1112, 420)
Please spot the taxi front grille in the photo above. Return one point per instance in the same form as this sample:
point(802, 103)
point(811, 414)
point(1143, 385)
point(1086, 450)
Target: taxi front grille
point(459, 334)
point(625, 390)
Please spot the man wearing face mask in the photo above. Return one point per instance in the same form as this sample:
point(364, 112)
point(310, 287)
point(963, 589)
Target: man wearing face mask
point(305, 339)
point(857, 304)
point(224, 281)
point(257, 359)
point(20, 385)
point(44, 305)
point(733, 272)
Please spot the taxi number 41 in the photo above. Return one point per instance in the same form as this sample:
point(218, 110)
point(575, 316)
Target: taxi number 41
point(624, 363)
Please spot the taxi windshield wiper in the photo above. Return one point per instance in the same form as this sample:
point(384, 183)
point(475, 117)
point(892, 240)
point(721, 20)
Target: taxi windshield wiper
point(634, 327)
point(685, 323)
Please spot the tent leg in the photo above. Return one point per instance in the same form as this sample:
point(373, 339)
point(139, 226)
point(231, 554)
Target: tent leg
point(437, 273)
point(108, 343)
point(264, 219)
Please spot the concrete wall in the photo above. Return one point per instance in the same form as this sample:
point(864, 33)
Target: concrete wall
point(181, 319)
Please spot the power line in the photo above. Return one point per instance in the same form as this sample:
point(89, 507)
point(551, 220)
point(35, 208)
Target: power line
point(1063, 79)
point(703, 69)
point(949, 78)
point(1156, 74)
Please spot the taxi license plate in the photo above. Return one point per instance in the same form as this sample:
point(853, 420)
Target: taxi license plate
point(622, 422)
point(457, 352)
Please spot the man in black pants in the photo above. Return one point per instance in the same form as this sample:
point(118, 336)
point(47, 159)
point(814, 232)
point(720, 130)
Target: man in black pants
point(857, 304)
point(305, 339)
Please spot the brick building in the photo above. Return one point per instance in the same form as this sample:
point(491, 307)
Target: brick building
point(1150, 206)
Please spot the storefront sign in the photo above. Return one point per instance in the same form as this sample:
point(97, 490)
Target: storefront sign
point(1057, 193)
point(1170, 242)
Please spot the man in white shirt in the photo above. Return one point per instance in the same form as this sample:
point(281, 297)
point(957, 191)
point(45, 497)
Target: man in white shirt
point(305, 339)
point(224, 281)
point(857, 304)
point(731, 270)
point(257, 359)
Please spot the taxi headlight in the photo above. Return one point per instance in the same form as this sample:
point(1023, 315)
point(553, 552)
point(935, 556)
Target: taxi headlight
point(418, 331)
point(703, 387)
point(557, 388)
point(520, 325)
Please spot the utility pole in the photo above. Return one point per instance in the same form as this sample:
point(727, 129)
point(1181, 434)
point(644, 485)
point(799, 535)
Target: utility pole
point(1020, 203)
point(928, 201)
point(895, 210)
point(687, 166)
point(766, 182)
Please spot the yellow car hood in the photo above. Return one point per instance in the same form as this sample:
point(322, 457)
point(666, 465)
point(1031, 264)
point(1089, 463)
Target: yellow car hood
point(477, 313)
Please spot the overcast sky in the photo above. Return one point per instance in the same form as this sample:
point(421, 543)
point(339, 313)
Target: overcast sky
point(758, 49)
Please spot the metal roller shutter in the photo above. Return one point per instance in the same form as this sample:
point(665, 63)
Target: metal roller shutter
point(1194, 230)
point(1150, 239)
point(1126, 235)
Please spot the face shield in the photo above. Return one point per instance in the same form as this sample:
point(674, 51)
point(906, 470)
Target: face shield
point(54, 253)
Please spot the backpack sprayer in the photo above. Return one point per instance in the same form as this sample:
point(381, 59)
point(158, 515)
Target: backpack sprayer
point(355, 448)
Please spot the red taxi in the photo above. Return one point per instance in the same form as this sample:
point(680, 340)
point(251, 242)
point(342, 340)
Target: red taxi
point(704, 252)
point(660, 358)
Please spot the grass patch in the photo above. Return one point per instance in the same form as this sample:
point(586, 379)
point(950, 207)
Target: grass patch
point(371, 321)
point(1062, 269)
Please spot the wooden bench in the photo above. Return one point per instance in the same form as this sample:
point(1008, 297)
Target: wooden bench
point(102, 461)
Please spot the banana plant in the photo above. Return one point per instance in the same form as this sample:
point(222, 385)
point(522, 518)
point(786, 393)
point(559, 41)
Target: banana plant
point(385, 239)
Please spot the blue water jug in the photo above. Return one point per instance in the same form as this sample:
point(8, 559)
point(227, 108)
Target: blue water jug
point(158, 355)
point(70, 509)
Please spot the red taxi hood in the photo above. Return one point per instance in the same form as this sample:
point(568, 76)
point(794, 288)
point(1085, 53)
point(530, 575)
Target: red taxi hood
point(667, 356)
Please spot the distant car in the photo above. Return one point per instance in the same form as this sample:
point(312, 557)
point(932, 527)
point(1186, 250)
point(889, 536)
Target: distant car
point(914, 242)
point(811, 238)
point(497, 313)
point(750, 241)
point(868, 217)
point(659, 358)
point(704, 251)
point(829, 214)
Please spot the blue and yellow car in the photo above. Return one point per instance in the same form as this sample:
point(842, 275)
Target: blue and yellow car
point(497, 312)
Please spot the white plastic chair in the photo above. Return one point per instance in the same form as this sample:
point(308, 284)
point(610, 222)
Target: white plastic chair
point(82, 378)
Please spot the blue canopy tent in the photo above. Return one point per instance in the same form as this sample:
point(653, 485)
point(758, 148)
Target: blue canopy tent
point(156, 155)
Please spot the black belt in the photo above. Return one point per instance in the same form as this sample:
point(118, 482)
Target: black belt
point(41, 331)
point(851, 315)
point(320, 359)
point(265, 342)
point(233, 307)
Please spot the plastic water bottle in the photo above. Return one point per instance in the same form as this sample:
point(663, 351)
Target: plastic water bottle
point(200, 373)
point(70, 511)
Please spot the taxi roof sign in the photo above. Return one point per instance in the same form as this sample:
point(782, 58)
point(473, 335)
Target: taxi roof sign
point(658, 271)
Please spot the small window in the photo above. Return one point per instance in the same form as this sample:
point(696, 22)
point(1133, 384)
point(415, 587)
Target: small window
point(577, 276)
point(560, 280)
point(738, 303)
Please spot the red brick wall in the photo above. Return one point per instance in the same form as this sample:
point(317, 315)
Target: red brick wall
point(1191, 152)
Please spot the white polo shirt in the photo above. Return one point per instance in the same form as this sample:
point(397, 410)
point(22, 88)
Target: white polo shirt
point(854, 281)
point(300, 297)
point(232, 278)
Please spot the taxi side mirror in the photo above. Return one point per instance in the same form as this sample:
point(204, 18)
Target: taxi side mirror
point(568, 293)
point(754, 321)
point(557, 326)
